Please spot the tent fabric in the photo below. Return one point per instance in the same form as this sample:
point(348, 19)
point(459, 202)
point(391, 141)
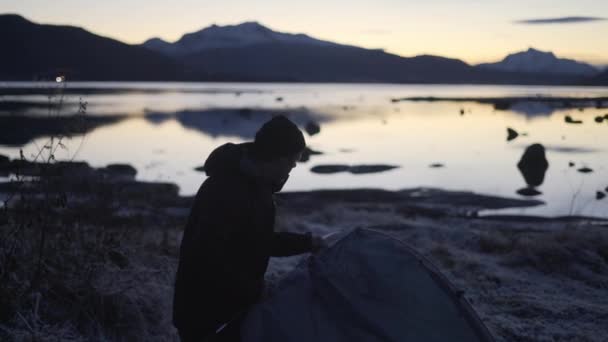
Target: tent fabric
point(366, 287)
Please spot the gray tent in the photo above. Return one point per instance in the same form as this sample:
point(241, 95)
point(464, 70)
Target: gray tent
point(366, 287)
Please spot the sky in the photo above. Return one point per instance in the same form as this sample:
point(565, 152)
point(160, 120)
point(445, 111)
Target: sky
point(475, 31)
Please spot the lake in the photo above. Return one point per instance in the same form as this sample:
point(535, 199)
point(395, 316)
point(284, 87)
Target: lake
point(166, 130)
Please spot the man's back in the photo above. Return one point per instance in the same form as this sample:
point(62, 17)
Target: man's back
point(221, 262)
point(230, 236)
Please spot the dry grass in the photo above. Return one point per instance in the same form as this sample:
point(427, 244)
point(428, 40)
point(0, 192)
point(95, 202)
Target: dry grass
point(568, 251)
point(95, 284)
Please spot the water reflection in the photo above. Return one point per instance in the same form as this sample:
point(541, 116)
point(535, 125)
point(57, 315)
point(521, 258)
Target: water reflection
point(529, 106)
point(20, 130)
point(171, 129)
point(241, 122)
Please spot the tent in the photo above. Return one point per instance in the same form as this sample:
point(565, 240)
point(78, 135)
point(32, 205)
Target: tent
point(367, 286)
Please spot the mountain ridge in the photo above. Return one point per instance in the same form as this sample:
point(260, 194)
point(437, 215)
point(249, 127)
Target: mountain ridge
point(248, 52)
point(533, 60)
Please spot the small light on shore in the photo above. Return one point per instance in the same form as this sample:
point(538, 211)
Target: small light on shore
point(60, 79)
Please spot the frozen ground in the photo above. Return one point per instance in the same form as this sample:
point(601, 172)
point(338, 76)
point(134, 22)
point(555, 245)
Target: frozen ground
point(528, 279)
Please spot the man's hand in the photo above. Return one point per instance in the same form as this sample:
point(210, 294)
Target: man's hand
point(318, 243)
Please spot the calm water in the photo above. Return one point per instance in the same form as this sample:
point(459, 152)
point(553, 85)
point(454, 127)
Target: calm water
point(171, 128)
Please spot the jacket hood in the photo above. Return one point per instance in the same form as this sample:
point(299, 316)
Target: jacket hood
point(225, 159)
point(230, 159)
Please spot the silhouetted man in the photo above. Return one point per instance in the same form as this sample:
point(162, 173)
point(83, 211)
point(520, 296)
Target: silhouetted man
point(230, 234)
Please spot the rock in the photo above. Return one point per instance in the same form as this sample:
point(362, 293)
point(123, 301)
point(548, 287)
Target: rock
point(329, 168)
point(4, 159)
point(461, 111)
point(200, 168)
point(360, 169)
point(533, 165)
point(570, 164)
point(570, 120)
point(599, 195)
point(502, 105)
point(599, 119)
point(279, 99)
point(74, 170)
point(121, 170)
point(585, 170)
point(312, 128)
point(436, 165)
point(24, 168)
point(355, 169)
point(511, 134)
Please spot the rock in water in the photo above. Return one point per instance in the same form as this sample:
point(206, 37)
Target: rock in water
point(585, 170)
point(533, 165)
point(354, 169)
point(124, 170)
point(570, 120)
point(312, 128)
point(599, 195)
point(360, 169)
point(330, 168)
point(511, 134)
point(599, 119)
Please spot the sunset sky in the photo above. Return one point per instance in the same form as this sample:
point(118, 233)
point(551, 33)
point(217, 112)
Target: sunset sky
point(474, 31)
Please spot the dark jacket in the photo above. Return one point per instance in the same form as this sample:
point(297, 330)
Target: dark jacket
point(227, 242)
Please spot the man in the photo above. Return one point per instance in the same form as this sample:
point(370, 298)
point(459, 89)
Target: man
point(230, 234)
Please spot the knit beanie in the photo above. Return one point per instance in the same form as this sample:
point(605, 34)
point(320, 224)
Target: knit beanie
point(279, 137)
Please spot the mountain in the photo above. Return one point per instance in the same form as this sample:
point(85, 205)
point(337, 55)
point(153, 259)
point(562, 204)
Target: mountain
point(601, 79)
point(306, 63)
point(32, 51)
point(252, 52)
point(535, 61)
point(240, 53)
point(231, 36)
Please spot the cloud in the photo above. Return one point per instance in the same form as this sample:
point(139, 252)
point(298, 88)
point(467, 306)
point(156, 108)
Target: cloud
point(561, 20)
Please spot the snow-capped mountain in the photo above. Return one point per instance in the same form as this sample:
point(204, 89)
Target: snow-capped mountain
point(231, 36)
point(535, 61)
